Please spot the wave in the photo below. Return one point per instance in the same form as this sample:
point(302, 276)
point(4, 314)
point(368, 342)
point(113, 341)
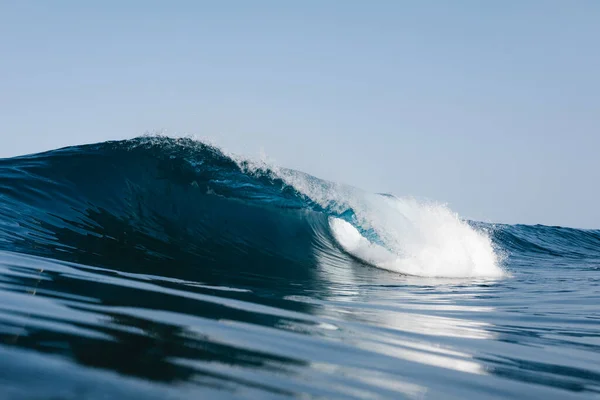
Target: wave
point(182, 206)
point(539, 242)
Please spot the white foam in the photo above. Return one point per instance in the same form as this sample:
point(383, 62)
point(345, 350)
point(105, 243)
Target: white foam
point(417, 238)
point(439, 245)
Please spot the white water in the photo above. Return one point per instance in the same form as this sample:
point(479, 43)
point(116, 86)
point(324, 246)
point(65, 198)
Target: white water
point(430, 241)
point(417, 238)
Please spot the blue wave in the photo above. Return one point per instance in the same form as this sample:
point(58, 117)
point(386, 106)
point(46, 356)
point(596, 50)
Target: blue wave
point(140, 204)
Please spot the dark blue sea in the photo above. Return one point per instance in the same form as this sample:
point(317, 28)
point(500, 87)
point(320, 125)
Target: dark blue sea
point(159, 268)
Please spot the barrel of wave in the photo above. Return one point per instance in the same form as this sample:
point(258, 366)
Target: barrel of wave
point(420, 239)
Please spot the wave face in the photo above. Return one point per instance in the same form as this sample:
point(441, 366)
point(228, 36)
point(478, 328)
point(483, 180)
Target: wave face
point(160, 198)
point(166, 268)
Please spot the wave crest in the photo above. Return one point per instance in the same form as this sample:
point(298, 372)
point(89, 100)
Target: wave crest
point(154, 199)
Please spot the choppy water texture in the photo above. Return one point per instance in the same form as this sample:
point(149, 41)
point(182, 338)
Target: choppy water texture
point(163, 268)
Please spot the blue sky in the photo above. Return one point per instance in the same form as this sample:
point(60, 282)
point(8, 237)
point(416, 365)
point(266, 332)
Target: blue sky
point(491, 107)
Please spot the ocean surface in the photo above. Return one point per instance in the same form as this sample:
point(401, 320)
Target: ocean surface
point(159, 268)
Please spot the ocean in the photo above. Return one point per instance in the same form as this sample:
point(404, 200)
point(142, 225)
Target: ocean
point(159, 268)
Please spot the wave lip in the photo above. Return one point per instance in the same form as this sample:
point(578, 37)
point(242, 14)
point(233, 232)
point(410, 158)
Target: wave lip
point(437, 244)
point(401, 235)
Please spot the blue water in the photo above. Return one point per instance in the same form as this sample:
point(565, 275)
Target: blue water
point(163, 268)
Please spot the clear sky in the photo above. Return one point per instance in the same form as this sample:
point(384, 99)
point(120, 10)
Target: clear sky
point(491, 107)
